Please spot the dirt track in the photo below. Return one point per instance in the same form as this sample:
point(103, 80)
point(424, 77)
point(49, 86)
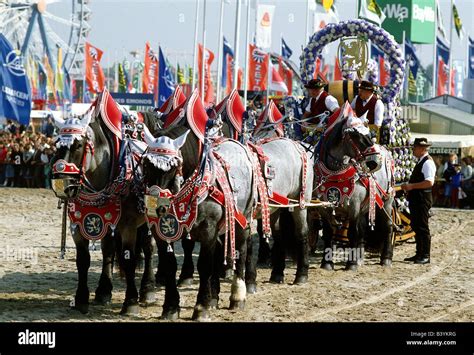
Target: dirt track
point(35, 285)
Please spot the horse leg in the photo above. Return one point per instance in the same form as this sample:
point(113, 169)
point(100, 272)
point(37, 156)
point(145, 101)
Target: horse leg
point(169, 268)
point(129, 262)
point(356, 246)
point(208, 239)
point(238, 290)
point(301, 231)
point(250, 267)
point(83, 262)
point(327, 263)
point(215, 278)
point(187, 270)
point(264, 252)
point(278, 251)
point(386, 229)
point(147, 285)
point(103, 293)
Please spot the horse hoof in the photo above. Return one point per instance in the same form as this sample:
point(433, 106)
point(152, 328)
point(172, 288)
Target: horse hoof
point(386, 263)
point(351, 267)
point(251, 288)
point(185, 282)
point(81, 307)
point(147, 298)
point(102, 299)
point(237, 305)
point(170, 314)
point(201, 314)
point(277, 279)
point(229, 274)
point(327, 266)
point(214, 303)
point(129, 309)
point(300, 280)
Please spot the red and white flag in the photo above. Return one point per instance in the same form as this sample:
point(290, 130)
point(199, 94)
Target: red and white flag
point(383, 72)
point(337, 70)
point(208, 94)
point(258, 69)
point(287, 75)
point(95, 77)
point(150, 71)
point(442, 78)
point(276, 81)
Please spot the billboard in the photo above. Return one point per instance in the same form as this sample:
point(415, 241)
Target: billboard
point(415, 17)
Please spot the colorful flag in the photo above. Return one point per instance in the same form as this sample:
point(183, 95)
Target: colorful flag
point(190, 76)
point(337, 70)
point(287, 75)
point(208, 93)
point(42, 81)
point(276, 81)
point(264, 25)
point(470, 62)
point(150, 71)
point(228, 51)
point(181, 80)
point(95, 77)
point(457, 22)
point(442, 51)
point(58, 80)
point(67, 88)
point(442, 78)
point(411, 58)
point(321, 73)
point(50, 87)
point(15, 93)
point(258, 69)
point(122, 82)
point(286, 52)
point(166, 81)
point(322, 17)
point(371, 11)
point(452, 86)
point(384, 75)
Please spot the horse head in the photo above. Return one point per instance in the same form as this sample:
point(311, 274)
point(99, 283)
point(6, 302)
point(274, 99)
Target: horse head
point(360, 141)
point(75, 147)
point(163, 163)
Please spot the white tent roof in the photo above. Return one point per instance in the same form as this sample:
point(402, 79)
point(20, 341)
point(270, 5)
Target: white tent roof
point(447, 141)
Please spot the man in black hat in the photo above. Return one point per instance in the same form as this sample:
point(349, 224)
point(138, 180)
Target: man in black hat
point(367, 101)
point(320, 101)
point(420, 199)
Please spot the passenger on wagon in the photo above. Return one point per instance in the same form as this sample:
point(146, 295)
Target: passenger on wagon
point(368, 102)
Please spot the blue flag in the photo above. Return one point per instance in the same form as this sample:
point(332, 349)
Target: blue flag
point(165, 81)
point(286, 52)
point(67, 92)
point(375, 52)
point(227, 51)
point(411, 58)
point(470, 71)
point(42, 81)
point(15, 93)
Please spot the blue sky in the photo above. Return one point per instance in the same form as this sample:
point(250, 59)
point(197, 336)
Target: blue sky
point(120, 26)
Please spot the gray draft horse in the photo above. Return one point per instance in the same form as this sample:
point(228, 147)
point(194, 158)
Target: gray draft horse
point(345, 145)
point(206, 228)
point(89, 156)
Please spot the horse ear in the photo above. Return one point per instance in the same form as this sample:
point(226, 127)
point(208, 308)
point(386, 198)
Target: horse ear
point(364, 117)
point(179, 142)
point(149, 139)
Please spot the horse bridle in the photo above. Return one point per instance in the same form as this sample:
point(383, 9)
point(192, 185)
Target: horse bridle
point(75, 174)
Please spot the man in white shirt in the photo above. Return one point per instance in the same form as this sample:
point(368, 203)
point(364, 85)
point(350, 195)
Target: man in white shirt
point(420, 199)
point(320, 101)
point(367, 102)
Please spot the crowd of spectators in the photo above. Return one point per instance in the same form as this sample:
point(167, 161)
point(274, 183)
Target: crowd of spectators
point(454, 186)
point(25, 155)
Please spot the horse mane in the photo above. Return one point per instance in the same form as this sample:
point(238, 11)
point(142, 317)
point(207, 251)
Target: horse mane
point(333, 139)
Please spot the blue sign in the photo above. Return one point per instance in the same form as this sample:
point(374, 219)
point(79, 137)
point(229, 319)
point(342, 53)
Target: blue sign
point(133, 99)
point(15, 93)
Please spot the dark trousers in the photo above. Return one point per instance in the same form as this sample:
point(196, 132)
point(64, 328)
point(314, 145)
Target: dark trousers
point(419, 216)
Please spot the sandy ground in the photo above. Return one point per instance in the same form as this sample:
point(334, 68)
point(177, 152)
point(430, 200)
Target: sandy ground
point(36, 285)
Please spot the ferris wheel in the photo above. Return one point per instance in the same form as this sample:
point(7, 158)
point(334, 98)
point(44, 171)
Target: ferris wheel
point(41, 27)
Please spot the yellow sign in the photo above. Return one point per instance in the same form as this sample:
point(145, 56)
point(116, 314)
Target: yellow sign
point(353, 54)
